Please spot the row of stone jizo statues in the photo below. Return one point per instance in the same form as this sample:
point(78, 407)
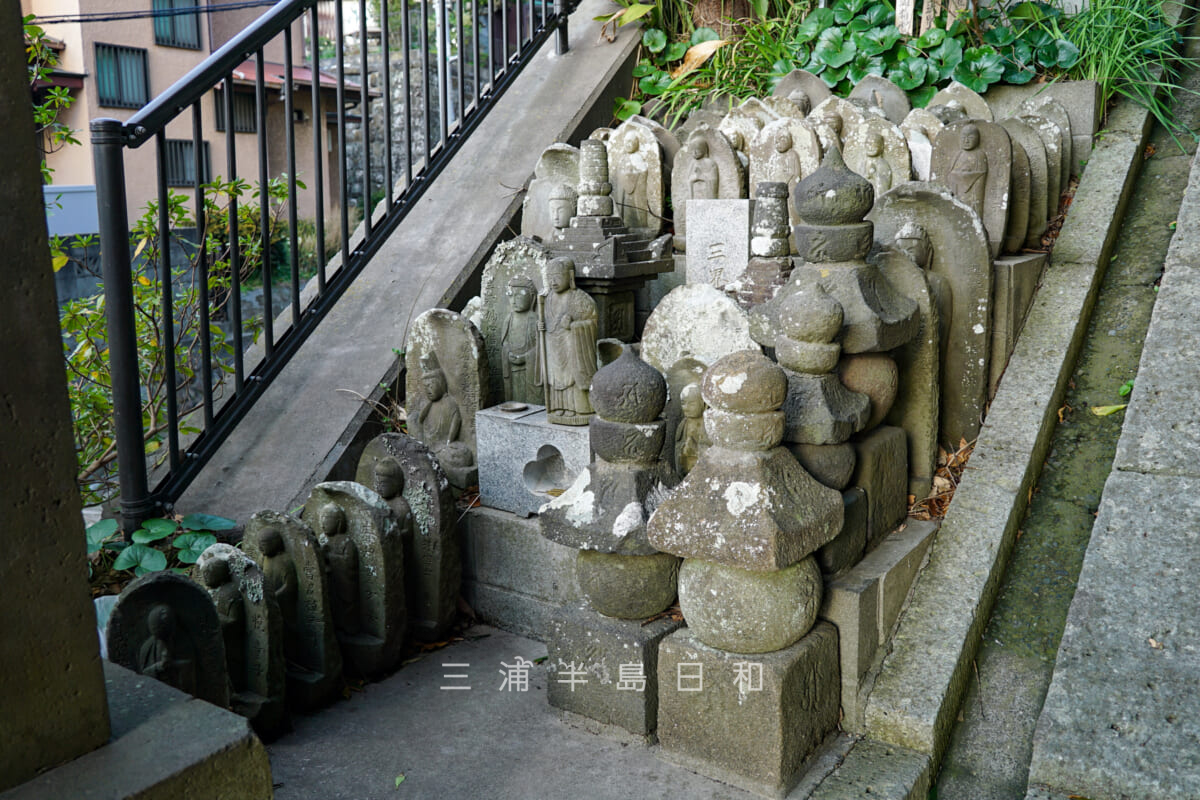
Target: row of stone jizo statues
point(276, 622)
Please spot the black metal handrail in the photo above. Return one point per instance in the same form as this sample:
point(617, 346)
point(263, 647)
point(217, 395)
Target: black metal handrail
point(111, 137)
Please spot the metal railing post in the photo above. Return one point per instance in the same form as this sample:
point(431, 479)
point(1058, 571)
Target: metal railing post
point(108, 156)
point(561, 43)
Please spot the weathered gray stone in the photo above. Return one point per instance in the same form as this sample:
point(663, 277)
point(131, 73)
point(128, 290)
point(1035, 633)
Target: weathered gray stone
point(293, 564)
point(740, 129)
point(695, 320)
point(558, 166)
point(973, 159)
point(617, 660)
point(569, 325)
point(882, 472)
point(896, 561)
point(747, 503)
point(873, 769)
point(741, 611)
point(720, 241)
point(707, 168)
point(517, 259)
point(846, 549)
point(667, 140)
point(432, 566)
point(1052, 142)
point(877, 150)
point(770, 245)
point(970, 101)
point(920, 128)
point(960, 256)
point(812, 88)
point(874, 375)
point(831, 464)
point(523, 458)
point(1015, 282)
point(880, 92)
point(252, 629)
point(1019, 200)
point(757, 739)
point(627, 587)
point(164, 626)
point(684, 446)
point(364, 549)
point(1121, 676)
point(784, 151)
point(635, 167)
point(446, 383)
point(1044, 105)
point(917, 403)
point(1039, 187)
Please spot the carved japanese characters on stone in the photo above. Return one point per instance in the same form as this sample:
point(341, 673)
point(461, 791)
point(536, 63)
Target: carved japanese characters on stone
point(568, 342)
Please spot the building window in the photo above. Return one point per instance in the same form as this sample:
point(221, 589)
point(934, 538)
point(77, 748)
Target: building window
point(174, 27)
point(245, 115)
point(181, 163)
point(121, 76)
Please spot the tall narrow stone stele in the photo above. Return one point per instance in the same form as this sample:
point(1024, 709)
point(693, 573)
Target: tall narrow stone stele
point(294, 567)
point(1039, 185)
point(784, 151)
point(445, 384)
point(707, 168)
point(164, 626)
point(432, 564)
point(252, 630)
point(364, 549)
point(558, 166)
point(920, 128)
point(961, 258)
point(517, 260)
point(973, 159)
point(877, 150)
point(635, 168)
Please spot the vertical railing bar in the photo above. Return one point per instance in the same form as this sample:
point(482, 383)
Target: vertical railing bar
point(406, 35)
point(167, 319)
point(543, 2)
point(461, 61)
point(206, 366)
point(520, 30)
point(443, 65)
point(318, 120)
point(235, 255)
point(343, 185)
point(562, 40)
point(385, 50)
point(289, 111)
point(504, 35)
point(425, 82)
point(113, 221)
point(264, 205)
point(476, 90)
point(491, 47)
point(364, 91)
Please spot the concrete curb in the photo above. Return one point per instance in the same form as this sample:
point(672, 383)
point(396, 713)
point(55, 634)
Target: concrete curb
point(925, 674)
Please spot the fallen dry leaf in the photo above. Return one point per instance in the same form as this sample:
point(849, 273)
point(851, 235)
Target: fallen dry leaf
point(1157, 645)
point(697, 55)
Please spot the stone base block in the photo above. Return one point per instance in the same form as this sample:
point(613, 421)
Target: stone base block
point(847, 548)
point(882, 472)
point(522, 614)
point(617, 658)
point(523, 457)
point(756, 732)
point(1015, 281)
point(718, 238)
point(865, 604)
point(198, 750)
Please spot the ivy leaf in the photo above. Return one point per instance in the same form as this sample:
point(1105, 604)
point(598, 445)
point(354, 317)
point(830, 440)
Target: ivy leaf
point(191, 545)
point(817, 21)
point(833, 49)
point(979, 68)
point(864, 65)
point(945, 57)
point(909, 74)
point(141, 559)
point(207, 522)
point(846, 10)
point(654, 40)
point(921, 97)
point(97, 532)
point(626, 109)
point(701, 35)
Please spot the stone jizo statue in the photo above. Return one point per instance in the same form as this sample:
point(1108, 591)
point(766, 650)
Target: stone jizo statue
point(436, 419)
point(879, 172)
point(969, 172)
point(231, 611)
point(801, 100)
point(703, 178)
point(280, 572)
point(342, 557)
point(568, 328)
point(690, 437)
point(630, 186)
point(519, 343)
point(563, 203)
point(389, 484)
point(165, 655)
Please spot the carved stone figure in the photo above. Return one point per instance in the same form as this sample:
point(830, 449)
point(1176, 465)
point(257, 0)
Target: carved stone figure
point(364, 550)
point(878, 171)
point(558, 166)
point(445, 383)
point(785, 151)
point(707, 168)
point(969, 100)
point(974, 160)
point(231, 612)
point(295, 571)
point(967, 179)
point(164, 626)
point(877, 150)
point(521, 257)
point(881, 93)
point(631, 159)
point(563, 203)
point(801, 81)
point(569, 322)
point(519, 344)
point(920, 128)
point(703, 179)
point(690, 437)
point(426, 516)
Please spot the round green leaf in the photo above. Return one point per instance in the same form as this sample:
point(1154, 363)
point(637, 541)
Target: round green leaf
point(1068, 54)
point(654, 40)
point(654, 85)
point(864, 65)
point(833, 49)
point(780, 68)
point(980, 68)
point(207, 522)
point(834, 77)
point(846, 10)
point(675, 51)
point(141, 559)
point(1018, 74)
point(945, 57)
point(97, 532)
point(877, 40)
point(818, 20)
point(909, 74)
point(640, 71)
point(704, 35)
point(931, 38)
point(191, 545)
point(1000, 37)
point(626, 109)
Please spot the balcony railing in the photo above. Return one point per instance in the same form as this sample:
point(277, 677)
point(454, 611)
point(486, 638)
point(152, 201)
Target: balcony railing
point(468, 52)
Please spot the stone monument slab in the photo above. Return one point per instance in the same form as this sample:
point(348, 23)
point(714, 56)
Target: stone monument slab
point(720, 241)
point(557, 166)
point(973, 159)
point(697, 321)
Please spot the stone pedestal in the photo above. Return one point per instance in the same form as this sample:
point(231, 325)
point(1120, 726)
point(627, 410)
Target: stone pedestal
point(522, 458)
point(748, 720)
point(617, 658)
point(848, 546)
point(882, 472)
point(1015, 281)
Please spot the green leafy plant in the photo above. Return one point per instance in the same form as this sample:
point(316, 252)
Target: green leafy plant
point(159, 544)
point(49, 101)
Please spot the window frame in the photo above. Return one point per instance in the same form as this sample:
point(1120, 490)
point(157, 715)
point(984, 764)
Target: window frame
point(171, 21)
point(183, 145)
point(219, 110)
point(120, 101)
